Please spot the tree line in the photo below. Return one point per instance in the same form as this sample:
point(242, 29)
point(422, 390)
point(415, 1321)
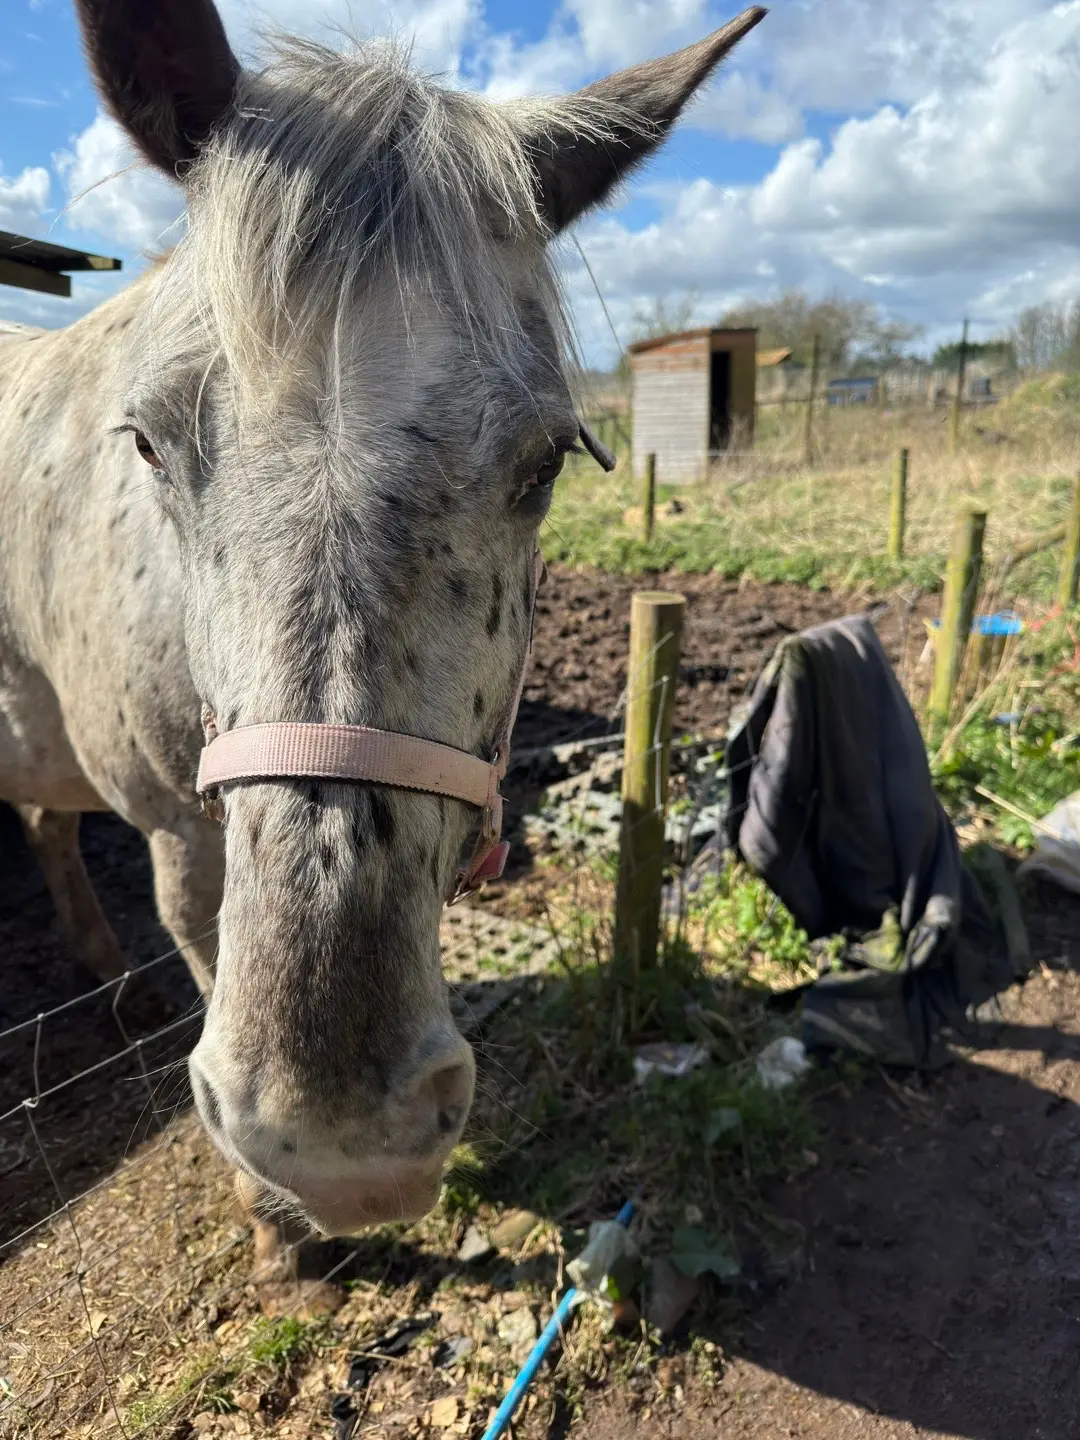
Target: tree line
point(856, 336)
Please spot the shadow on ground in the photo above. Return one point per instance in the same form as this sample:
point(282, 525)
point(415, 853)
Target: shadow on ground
point(931, 1284)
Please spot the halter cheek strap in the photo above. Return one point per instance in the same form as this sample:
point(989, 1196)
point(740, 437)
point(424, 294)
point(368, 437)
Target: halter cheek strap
point(291, 750)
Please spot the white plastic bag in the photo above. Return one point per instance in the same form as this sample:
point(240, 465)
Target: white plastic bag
point(1057, 846)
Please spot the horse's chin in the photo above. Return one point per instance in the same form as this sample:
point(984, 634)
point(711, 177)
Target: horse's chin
point(334, 1208)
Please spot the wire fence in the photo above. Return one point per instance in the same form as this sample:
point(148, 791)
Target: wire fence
point(123, 1256)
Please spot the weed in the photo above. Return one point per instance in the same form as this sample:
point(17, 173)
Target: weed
point(284, 1340)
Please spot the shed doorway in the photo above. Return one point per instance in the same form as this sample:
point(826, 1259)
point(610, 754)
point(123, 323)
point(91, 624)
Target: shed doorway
point(720, 400)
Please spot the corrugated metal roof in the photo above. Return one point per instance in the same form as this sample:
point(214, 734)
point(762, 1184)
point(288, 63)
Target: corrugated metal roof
point(41, 265)
point(47, 256)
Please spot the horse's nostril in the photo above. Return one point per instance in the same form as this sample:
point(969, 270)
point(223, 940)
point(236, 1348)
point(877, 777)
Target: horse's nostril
point(205, 1099)
point(450, 1119)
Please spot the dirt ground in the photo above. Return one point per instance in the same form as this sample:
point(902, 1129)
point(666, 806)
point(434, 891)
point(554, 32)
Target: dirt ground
point(938, 1288)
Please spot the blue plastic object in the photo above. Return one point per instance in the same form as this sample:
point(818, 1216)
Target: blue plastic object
point(1005, 622)
point(512, 1398)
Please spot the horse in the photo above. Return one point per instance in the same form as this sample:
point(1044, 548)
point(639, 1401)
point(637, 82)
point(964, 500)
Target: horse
point(293, 476)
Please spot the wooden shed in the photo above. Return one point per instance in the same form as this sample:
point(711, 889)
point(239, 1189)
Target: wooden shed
point(694, 397)
point(41, 265)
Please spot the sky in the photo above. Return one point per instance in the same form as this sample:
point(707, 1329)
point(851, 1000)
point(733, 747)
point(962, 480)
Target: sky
point(921, 154)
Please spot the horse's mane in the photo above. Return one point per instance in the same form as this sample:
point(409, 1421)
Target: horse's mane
point(340, 166)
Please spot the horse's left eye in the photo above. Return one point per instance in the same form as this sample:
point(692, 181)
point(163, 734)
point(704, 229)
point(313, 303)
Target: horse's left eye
point(146, 450)
point(549, 473)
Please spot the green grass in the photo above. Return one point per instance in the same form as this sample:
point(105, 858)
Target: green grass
point(283, 1341)
point(770, 517)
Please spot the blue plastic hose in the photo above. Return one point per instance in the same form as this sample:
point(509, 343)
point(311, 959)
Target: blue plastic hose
point(512, 1398)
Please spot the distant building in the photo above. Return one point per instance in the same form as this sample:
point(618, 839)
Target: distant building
point(852, 390)
point(693, 398)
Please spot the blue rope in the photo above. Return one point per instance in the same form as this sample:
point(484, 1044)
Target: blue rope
point(512, 1398)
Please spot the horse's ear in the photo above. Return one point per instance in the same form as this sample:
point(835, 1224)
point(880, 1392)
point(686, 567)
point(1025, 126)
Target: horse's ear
point(578, 160)
point(165, 70)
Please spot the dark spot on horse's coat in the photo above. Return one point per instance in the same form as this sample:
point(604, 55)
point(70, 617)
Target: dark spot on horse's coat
point(220, 555)
point(382, 818)
point(429, 551)
point(478, 704)
point(415, 433)
point(139, 573)
point(121, 721)
point(494, 619)
point(411, 662)
point(394, 501)
point(458, 586)
point(359, 838)
point(132, 742)
point(110, 328)
point(446, 501)
point(254, 833)
point(24, 412)
point(230, 719)
point(46, 470)
point(446, 548)
point(162, 650)
point(288, 1148)
point(125, 323)
point(326, 859)
point(85, 638)
point(436, 869)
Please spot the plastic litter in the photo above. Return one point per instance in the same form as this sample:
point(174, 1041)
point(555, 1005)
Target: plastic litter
point(663, 1058)
point(608, 1242)
point(782, 1062)
point(1057, 847)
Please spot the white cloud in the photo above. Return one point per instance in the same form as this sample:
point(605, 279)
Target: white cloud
point(969, 199)
point(24, 200)
point(114, 194)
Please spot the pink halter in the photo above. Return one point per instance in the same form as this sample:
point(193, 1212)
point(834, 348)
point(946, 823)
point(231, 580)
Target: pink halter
point(288, 750)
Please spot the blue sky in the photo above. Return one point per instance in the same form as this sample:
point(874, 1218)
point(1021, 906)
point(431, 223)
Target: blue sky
point(920, 153)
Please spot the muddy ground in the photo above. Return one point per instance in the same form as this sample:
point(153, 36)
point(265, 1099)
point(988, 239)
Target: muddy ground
point(938, 1289)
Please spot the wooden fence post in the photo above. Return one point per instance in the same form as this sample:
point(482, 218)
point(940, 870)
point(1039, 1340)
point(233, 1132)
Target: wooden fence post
point(1070, 559)
point(648, 499)
point(898, 507)
point(958, 606)
point(655, 634)
point(961, 367)
point(808, 433)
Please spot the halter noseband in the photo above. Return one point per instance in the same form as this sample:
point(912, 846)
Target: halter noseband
point(289, 750)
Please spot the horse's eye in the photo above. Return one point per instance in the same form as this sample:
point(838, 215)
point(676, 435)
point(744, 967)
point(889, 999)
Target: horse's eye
point(146, 450)
point(549, 473)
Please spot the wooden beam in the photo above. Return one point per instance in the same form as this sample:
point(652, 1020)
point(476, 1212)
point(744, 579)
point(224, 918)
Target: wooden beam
point(32, 277)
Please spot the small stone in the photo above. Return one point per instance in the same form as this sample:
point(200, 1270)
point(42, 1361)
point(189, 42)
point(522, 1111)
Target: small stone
point(452, 1352)
point(206, 1421)
point(671, 1294)
point(248, 1401)
point(670, 1371)
point(693, 1215)
point(475, 1246)
point(518, 1329)
point(514, 1228)
point(444, 1412)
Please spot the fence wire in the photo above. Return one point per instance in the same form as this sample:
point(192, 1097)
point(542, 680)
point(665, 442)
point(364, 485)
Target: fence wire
point(107, 1277)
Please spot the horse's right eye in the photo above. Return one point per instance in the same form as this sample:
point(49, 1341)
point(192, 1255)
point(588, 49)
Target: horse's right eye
point(146, 450)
